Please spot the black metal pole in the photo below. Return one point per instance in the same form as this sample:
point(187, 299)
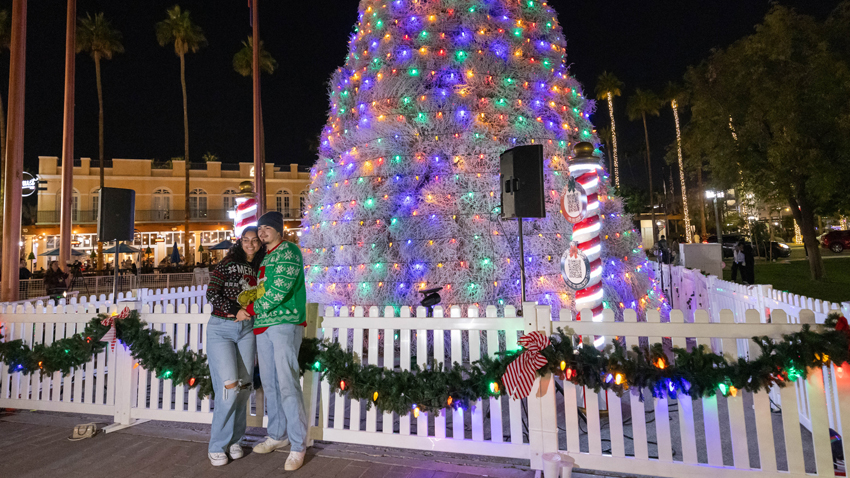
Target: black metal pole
point(115, 275)
point(521, 261)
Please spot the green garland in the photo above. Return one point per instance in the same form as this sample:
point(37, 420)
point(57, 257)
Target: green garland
point(697, 373)
point(146, 346)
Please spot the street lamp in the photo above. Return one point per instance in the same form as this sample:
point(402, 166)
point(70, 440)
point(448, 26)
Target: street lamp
point(715, 195)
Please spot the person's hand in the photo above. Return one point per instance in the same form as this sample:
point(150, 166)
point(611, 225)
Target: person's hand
point(242, 315)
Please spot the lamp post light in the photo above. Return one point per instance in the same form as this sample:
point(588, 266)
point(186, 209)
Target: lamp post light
point(715, 195)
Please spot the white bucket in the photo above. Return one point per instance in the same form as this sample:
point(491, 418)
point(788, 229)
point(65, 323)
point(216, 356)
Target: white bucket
point(557, 465)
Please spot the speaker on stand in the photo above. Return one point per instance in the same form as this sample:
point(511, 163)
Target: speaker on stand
point(115, 222)
point(521, 184)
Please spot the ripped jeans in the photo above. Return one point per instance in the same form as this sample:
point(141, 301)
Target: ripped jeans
point(230, 351)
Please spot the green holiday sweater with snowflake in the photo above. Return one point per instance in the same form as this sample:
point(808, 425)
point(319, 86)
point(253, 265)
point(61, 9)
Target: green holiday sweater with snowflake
point(282, 294)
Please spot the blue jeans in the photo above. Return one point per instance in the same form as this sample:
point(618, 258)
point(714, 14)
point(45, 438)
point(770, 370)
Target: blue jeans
point(277, 349)
point(230, 351)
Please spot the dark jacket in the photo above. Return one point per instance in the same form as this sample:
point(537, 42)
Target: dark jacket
point(55, 281)
point(227, 280)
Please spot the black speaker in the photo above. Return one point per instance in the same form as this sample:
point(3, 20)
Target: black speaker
point(521, 177)
point(116, 214)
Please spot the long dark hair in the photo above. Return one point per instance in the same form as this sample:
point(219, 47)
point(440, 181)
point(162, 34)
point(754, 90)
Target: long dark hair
point(238, 255)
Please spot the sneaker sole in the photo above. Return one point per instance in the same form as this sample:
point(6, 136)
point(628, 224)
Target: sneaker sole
point(263, 451)
point(218, 462)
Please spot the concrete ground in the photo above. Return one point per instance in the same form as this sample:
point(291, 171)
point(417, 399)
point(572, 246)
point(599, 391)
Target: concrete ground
point(35, 444)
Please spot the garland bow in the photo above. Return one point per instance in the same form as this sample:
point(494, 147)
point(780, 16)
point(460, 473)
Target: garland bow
point(520, 374)
point(109, 321)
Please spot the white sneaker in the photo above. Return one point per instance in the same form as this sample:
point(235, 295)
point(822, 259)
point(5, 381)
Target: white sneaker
point(270, 445)
point(217, 459)
point(236, 451)
point(294, 460)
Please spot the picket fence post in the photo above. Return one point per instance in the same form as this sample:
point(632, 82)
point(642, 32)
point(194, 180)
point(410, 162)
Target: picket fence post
point(312, 380)
point(713, 305)
point(762, 292)
point(542, 426)
point(124, 375)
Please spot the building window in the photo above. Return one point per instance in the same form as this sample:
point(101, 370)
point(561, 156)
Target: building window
point(282, 202)
point(75, 206)
point(95, 199)
point(198, 204)
point(161, 204)
point(230, 199)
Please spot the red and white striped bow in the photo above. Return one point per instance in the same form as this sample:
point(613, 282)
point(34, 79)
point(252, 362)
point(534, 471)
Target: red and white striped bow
point(519, 376)
point(109, 321)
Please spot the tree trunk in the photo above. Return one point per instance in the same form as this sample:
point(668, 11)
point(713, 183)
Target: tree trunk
point(100, 145)
point(616, 170)
point(649, 168)
point(804, 214)
point(2, 169)
point(186, 250)
point(701, 192)
point(685, 215)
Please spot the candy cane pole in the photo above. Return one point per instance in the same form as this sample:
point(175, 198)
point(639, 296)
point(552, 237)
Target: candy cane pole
point(246, 208)
point(584, 167)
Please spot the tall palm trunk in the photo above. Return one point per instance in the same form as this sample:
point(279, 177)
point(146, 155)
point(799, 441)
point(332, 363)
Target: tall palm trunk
point(688, 235)
point(2, 169)
point(703, 228)
point(649, 168)
point(186, 162)
point(99, 145)
point(614, 140)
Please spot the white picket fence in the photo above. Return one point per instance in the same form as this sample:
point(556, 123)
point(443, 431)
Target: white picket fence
point(33, 289)
point(714, 436)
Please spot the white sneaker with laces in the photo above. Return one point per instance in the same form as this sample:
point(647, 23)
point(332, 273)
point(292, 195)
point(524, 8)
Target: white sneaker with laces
point(236, 451)
point(217, 459)
point(294, 461)
point(270, 445)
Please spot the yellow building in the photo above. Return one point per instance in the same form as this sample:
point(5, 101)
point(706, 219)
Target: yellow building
point(160, 202)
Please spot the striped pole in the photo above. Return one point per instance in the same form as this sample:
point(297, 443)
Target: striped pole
point(584, 167)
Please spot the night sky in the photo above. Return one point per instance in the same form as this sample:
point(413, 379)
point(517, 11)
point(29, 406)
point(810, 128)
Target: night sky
point(646, 44)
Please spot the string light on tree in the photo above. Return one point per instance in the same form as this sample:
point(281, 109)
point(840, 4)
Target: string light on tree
point(688, 236)
point(404, 195)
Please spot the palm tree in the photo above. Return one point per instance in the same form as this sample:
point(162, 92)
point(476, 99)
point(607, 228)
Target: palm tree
point(674, 93)
point(640, 104)
point(607, 87)
point(605, 136)
point(5, 41)
point(187, 37)
point(243, 63)
point(96, 37)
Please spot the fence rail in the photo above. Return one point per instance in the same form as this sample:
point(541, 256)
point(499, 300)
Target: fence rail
point(33, 289)
point(717, 436)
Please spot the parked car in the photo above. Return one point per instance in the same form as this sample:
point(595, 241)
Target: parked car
point(728, 244)
point(779, 248)
point(836, 241)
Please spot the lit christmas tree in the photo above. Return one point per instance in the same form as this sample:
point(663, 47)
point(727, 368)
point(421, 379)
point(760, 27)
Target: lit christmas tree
point(405, 193)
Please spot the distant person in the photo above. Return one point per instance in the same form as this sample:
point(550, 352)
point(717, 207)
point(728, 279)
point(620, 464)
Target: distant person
point(738, 261)
point(748, 273)
point(23, 272)
point(55, 279)
point(674, 252)
point(133, 268)
point(663, 250)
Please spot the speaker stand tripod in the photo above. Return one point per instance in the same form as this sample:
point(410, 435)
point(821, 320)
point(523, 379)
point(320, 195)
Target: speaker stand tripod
point(521, 260)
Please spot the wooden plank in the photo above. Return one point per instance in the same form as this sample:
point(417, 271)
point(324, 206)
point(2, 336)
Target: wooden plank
point(637, 407)
point(389, 364)
point(496, 431)
point(815, 387)
point(357, 344)
point(761, 410)
point(571, 422)
point(458, 429)
point(686, 405)
point(339, 398)
point(735, 402)
point(168, 384)
point(194, 344)
point(591, 399)
point(404, 364)
point(790, 416)
point(615, 409)
point(440, 358)
point(182, 339)
point(661, 405)
point(710, 414)
point(40, 389)
point(422, 361)
point(477, 412)
point(372, 413)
